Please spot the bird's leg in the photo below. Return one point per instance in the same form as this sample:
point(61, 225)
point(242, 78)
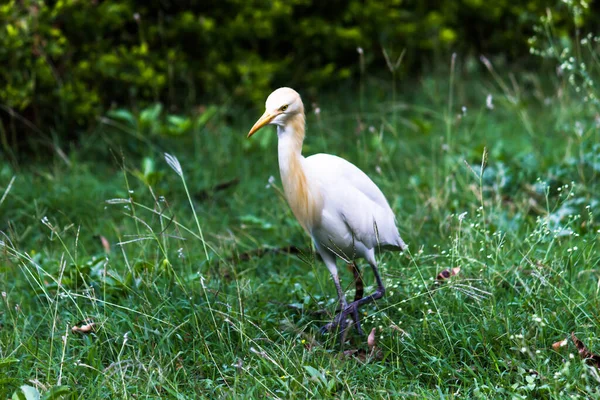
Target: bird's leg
point(358, 282)
point(340, 319)
point(379, 292)
point(358, 294)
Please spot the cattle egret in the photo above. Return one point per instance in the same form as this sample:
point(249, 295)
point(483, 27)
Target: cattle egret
point(336, 203)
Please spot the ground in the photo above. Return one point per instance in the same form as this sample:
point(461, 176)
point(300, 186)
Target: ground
point(164, 267)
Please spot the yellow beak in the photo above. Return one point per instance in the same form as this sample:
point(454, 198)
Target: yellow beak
point(262, 121)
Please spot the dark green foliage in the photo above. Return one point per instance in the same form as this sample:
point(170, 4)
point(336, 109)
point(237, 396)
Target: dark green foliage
point(64, 62)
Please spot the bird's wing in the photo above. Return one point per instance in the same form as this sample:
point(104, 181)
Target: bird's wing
point(352, 195)
point(335, 169)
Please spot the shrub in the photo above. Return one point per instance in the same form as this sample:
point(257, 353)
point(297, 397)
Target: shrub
point(67, 61)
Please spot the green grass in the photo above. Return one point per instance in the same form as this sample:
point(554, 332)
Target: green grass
point(183, 308)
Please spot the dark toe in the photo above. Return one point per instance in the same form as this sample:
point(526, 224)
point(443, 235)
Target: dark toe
point(339, 322)
point(326, 328)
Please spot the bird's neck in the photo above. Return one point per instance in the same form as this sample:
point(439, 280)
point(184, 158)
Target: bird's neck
point(302, 197)
point(291, 137)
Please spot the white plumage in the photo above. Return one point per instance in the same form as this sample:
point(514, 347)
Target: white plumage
point(337, 204)
point(352, 206)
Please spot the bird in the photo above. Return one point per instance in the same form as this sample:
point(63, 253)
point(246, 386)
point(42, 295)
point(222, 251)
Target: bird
point(338, 205)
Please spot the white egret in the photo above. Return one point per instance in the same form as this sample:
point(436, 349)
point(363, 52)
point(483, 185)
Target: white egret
point(336, 203)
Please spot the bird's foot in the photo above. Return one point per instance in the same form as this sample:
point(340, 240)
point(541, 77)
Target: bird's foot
point(340, 321)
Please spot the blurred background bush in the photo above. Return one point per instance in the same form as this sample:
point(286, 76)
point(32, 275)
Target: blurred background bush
point(66, 62)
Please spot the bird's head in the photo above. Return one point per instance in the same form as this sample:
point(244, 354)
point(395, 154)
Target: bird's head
point(281, 105)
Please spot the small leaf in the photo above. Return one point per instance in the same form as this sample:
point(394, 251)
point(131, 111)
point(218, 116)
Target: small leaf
point(371, 342)
point(7, 361)
point(148, 166)
point(330, 385)
point(150, 115)
point(87, 326)
point(122, 115)
point(178, 125)
point(26, 392)
point(315, 374)
point(312, 371)
point(57, 392)
point(559, 344)
point(255, 221)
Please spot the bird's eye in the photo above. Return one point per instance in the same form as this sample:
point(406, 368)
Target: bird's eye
point(283, 108)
